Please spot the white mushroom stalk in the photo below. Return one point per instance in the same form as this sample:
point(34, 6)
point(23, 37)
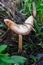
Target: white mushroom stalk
point(21, 29)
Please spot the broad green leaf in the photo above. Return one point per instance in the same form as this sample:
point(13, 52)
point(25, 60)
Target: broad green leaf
point(2, 48)
point(19, 59)
point(3, 63)
point(6, 55)
point(14, 59)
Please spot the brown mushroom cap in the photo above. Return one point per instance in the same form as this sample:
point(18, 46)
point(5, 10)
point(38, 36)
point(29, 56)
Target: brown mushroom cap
point(21, 29)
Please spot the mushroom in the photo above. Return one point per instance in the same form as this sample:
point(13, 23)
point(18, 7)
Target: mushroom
point(20, 29)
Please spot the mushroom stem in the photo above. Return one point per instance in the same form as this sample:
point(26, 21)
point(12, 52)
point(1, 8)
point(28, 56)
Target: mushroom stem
point(20, 44)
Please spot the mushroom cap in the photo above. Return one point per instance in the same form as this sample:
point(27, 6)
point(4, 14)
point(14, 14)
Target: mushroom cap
point(21, 29)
